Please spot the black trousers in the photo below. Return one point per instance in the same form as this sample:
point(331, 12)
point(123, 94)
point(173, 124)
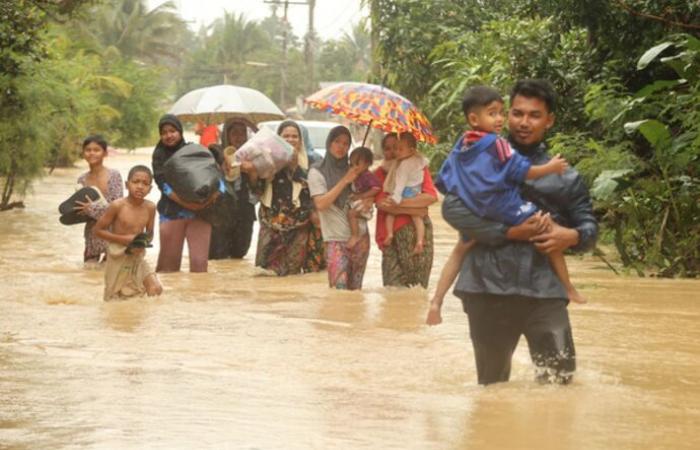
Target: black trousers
point(232, 238)
point(496, 323)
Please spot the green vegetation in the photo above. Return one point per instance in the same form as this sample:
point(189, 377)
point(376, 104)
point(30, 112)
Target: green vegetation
point(627, 72)
point(69, 68)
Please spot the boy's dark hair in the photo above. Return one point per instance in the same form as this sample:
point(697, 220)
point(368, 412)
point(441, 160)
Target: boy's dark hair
point(97, 139)
point(478, 97)
point(536, 88)
point(409, 138)
point(364, 154)
point(136, 169)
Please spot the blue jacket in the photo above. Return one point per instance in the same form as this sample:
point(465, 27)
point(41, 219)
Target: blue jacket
point(496, 265)
point(488, 186)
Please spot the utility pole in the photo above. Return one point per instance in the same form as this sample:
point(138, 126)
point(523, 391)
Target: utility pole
point(285, 36)
point(310, 43)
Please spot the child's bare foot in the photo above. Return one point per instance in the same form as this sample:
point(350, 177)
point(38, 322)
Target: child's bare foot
point(352, 241)
point(434, 315)
point(418, 249)
point(388, 239)
point(574, 296)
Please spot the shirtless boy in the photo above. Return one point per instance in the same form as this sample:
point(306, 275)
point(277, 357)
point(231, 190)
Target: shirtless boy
point(128, 227)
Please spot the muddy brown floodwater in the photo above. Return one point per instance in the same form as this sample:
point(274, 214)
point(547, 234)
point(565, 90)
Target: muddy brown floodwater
point(231, 360)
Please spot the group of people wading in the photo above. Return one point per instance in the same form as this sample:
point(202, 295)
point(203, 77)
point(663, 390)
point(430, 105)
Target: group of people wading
point(507, 281)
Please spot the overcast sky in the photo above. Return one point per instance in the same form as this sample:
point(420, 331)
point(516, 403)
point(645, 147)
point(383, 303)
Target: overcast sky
point(331, 17)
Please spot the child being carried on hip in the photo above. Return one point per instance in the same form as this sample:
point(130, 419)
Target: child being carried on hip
point(404, 180)
point(366, 186)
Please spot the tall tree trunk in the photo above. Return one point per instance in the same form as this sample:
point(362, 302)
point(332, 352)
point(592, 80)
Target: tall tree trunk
point(9, 188)
point(374, 10)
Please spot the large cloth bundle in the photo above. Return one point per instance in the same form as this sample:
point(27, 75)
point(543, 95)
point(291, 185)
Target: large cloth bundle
point(268, 152)
point(193, 174)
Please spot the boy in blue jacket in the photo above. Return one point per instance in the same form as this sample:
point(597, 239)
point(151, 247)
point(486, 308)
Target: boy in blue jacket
point(486, 174)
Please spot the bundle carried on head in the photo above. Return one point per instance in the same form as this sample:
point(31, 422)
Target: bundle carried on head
point(268, 153)
point(193, 174)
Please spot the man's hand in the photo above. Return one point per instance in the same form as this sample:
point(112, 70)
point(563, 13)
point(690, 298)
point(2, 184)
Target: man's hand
point(535, 225)
point(556, 239)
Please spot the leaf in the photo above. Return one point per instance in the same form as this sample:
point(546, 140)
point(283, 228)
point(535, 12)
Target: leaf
point(658, 86)
point(607, 183)
point(654, 131)
point(651, 54)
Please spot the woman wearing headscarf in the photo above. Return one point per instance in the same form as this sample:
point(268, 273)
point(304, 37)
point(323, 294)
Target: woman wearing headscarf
point(329, 184)
point(400, 266)
point(285, 211)
point(178, 220)
point(232, 230)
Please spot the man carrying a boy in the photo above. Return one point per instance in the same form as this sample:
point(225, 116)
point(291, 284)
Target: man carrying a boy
point(506, 283)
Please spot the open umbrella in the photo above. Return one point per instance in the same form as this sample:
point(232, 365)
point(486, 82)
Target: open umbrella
point(375, 106)
point(216, 104)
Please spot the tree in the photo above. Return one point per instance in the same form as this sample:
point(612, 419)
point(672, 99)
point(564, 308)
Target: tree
point(135, 32)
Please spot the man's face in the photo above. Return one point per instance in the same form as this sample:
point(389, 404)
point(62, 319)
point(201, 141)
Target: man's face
point(528, 120)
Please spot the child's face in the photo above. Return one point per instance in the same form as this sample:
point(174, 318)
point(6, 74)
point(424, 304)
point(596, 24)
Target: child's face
point(489, 118)
point(404, 150)
point(356, 161)
point(93, 153)
point(237, 135)
point(139, 185)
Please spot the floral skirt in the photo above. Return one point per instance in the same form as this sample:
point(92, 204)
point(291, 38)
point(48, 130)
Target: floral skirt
point(346, 267)
point(400, 267)
point(315, 251)
point(283, 252)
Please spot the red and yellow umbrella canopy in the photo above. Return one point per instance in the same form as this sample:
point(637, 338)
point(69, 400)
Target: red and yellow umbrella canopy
point(373, 105)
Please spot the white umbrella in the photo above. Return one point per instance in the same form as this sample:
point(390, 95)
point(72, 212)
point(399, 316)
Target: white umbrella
point(216, 104)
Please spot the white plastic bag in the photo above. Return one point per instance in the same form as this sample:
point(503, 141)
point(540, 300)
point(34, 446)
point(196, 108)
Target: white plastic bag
point(267, 151)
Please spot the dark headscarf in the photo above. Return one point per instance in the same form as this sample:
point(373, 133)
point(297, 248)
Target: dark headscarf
point(332, 168)
point(170, 119)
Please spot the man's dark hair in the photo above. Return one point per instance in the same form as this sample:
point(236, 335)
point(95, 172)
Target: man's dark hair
point(136, 169)
point(536, 88)
point(478, 97)
point(409, 138)
point(364, 154)
point(97, 139)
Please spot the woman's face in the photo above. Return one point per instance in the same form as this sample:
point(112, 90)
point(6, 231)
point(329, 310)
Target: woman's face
point(169, 135)
point(237, 135)
point(389, 148)
point(340, 146)
point(93, 153)
point(291, 135)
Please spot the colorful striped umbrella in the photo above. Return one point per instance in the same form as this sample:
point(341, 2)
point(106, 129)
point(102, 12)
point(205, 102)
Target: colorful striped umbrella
point(373, 105)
